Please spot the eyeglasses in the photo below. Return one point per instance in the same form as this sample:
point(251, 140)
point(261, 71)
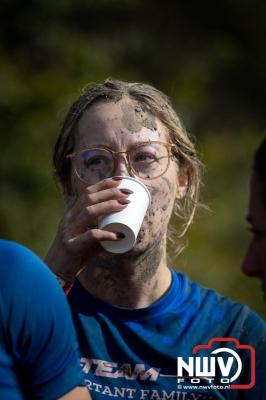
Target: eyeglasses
point(146, 160)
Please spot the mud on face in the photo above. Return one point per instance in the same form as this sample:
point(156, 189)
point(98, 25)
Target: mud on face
point(135, 117)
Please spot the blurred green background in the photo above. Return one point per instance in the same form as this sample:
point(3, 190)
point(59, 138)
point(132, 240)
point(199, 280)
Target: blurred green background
point(209, 57)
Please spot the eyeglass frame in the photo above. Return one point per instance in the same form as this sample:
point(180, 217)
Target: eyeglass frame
point(114, 153)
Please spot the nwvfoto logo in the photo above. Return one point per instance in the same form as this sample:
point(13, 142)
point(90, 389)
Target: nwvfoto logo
point(230, 367)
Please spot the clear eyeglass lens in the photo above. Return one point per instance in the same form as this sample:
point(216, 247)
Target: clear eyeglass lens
point(147, 161)
point(94, 164)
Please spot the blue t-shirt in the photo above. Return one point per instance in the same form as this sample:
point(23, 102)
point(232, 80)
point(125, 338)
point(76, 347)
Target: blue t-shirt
point(132, 353)
point(38, 348)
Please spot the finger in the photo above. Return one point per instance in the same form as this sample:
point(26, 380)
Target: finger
point(108, 194)
point(92, 238)
point(88, 197)
point(104, 184)
point(100, 235)
point(89, 215)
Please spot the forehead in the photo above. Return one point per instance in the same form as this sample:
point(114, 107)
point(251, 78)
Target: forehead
point(118, 125)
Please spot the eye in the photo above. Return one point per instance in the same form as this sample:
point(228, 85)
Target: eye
point(94, 161)
point(145, 157)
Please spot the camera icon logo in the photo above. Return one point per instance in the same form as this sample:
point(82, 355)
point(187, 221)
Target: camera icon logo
point(223, 364)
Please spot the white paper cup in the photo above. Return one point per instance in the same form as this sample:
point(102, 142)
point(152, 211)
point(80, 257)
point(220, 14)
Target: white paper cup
point(129, 220)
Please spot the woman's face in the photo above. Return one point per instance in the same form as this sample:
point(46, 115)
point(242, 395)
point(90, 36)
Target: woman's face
point(254, 263)
point(119, 125)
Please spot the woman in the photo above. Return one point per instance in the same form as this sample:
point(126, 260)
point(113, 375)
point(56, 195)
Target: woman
point(133, 314)
point(254, 263)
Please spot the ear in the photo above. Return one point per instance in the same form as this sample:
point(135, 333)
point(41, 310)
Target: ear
point(182, 185)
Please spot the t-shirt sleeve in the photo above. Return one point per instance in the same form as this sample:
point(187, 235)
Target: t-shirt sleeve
point(38, 325)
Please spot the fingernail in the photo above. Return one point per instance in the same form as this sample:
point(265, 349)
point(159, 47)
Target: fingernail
point(120, 235)
point(123, 201)
point(126, 191)
point(117, 178)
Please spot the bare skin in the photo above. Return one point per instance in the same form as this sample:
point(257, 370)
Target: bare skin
point(254, 263)
point(79, 393)
point(141, 276)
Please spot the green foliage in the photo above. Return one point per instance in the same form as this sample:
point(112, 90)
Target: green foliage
point(209, 57)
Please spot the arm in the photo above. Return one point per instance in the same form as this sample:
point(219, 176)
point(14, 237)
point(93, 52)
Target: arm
point(77, 394)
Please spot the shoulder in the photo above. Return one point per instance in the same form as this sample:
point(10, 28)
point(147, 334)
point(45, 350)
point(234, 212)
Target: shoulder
point(21, 268)
point(16, 256)
point(25, 282)
point(230, 317)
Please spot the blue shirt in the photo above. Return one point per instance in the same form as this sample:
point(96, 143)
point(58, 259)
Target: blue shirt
point(132, 353)
point(38, 349)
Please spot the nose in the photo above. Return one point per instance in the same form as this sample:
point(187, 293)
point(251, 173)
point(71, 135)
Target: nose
point(121, 167)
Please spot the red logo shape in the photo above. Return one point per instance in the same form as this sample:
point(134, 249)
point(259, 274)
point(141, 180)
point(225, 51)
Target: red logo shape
point(238, 346)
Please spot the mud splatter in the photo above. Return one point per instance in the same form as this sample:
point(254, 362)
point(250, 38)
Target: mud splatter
point(135, 117)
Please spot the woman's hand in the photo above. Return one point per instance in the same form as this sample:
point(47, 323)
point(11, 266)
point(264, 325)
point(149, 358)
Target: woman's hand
point(78, 237)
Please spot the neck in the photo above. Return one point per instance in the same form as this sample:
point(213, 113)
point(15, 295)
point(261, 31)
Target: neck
point(129, 280)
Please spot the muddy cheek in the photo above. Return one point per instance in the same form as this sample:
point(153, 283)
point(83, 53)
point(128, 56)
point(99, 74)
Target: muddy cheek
point(167, 184)
point(153, 223)
point(155, 214)
point(159, 212)
point(167, 204)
